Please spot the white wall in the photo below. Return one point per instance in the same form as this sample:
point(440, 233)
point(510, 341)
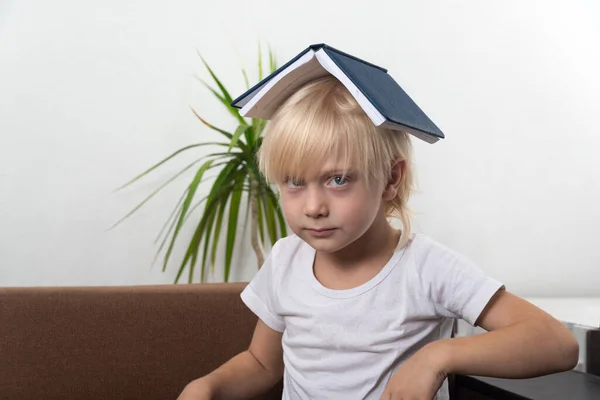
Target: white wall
point(91, 93)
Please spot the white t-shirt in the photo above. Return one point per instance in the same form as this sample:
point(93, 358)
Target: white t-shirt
point(346, 344)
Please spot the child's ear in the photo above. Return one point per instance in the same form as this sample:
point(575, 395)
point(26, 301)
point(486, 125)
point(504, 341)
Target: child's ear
point(391, 188)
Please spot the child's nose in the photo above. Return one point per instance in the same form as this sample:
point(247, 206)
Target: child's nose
point(316, 203)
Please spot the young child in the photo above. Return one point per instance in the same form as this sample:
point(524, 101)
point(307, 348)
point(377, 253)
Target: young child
point(348, 306)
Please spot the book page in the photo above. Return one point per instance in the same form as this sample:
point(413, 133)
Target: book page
point(270, 97)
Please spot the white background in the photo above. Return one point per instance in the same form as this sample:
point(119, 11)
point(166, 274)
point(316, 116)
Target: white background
point(92, 93)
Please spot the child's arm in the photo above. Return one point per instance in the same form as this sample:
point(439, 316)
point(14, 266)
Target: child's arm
point(523, 342)
point(246, 375)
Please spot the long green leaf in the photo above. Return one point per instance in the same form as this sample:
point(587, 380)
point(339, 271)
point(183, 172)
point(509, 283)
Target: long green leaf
point(223, 192)
point(193, 247)
point(217, 81)
point(232, 110)
point(171, 227)
point(247, 223)
point(254, 124)
point(258, 125)
point(249, 135)
point(261, 126)
point(249, 190)
point(282, 226)
point(254, 160)
point(246, 78)
point(277, 207)
point(234, 207)
point(215, 242)
point(186, 204)
point(261, 229)
point(253, 165)
point(140, 205)
point(258, 195)
point(211, 203)
point(155, 192)
point(165, 160)
point(270, 217)
point(171, 218)
point(236, 136)
point(209, 225)
point(206, 85)
point(189, 213)
point(225, 95)
point(219, 190)
point(194, 243)
point(199, 203)
point(222, 177)
point(247, 151)
point(228, 135)
point(272, 61)
point(278, 214)
point(221, 131)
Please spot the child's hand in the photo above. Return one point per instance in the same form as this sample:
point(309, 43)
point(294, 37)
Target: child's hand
point(419, 378)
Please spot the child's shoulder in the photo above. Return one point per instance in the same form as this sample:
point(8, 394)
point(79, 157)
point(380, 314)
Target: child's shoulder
point(426, 251)
point(431, 256)
point(424, 242)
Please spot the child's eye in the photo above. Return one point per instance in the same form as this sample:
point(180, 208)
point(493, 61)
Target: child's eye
point(339, 180)
point(292, 183)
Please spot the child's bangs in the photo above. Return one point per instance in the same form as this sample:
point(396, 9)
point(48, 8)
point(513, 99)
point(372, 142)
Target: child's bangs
point(307, 141)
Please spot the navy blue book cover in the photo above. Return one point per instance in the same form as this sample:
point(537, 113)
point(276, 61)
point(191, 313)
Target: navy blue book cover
point(384, 93)
point(380, 89)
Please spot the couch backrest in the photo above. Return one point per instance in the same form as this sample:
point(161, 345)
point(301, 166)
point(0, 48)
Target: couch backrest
point(141, 342)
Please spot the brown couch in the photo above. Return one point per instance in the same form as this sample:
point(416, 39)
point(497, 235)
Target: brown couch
point(143, 342)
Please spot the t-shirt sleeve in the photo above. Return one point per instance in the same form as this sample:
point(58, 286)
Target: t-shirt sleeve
point(456, 286)
point(259, 295)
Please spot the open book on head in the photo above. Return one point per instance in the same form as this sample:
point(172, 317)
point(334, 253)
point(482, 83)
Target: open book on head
point(381, 98)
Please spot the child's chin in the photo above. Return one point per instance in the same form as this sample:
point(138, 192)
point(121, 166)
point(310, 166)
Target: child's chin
point(326, 244)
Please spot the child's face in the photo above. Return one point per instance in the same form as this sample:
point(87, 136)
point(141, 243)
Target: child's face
point(344, 206)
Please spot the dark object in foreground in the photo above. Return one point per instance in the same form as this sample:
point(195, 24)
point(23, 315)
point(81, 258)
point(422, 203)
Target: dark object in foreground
point(571, 385)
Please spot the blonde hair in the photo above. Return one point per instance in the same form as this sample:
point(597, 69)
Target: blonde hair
point(322, 120)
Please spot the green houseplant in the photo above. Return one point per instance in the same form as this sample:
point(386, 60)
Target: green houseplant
point(238, 174)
